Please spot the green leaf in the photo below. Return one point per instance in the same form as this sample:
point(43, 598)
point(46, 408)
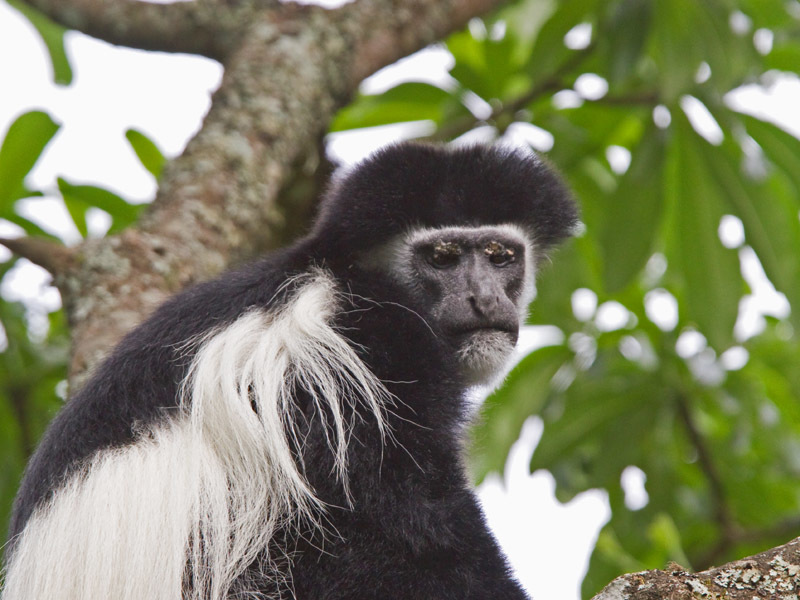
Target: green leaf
point(633, 213)
point(29, 227)
point(769, 214)
point(549, 51)
point(489, 67)
point(772, 14)
point(505, 411)
point(410, 101)
point(148, 153)
point(557, 281)
point(500, 62)
point(587, 131)
point(630, 22)
point(784, 57)
point(688, 33)
point(470, 62)
point(53, 36)
point(79, 198)
point(673, 26)
point(524, 20)
point(77, 211)
point(592, 409)
point(24, 142)
point(781, 148)
point(710, 272)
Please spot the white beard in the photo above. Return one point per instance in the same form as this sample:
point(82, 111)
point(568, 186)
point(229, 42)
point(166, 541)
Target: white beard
point(484, 354)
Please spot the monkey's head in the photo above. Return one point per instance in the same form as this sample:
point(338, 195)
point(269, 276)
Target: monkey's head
point(461, 229)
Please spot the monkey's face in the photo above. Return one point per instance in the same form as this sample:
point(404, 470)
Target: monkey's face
point(476, 283)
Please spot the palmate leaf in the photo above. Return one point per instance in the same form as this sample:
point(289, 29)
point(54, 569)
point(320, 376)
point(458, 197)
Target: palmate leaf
point(631, 21)
point(709, 272)
point(633, 213)
point(24, 142)
point(675, 46)
point(688, 33)
point(768, 211)
point(549, 51)
point(781, 148)
point(589, 130)
point(487, 66)
point(604, 412)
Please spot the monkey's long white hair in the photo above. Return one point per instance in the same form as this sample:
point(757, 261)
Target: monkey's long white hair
point(213, 485)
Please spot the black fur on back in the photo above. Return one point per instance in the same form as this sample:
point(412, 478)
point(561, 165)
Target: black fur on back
point(415, 530)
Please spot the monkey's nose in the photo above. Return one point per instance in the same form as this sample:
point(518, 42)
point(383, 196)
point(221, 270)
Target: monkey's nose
point(484, 304)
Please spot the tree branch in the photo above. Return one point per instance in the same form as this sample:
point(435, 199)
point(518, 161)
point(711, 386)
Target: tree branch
point(207, 28)
point(51, 256)
point(771, 574)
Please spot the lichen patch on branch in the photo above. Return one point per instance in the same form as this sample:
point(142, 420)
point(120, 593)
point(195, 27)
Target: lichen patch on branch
point(771, 575)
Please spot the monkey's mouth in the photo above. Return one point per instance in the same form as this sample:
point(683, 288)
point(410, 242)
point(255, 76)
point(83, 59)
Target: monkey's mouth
point(483, 352)
point(512, 331)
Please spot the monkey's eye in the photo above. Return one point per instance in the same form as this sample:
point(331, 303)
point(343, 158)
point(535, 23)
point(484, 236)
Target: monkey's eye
point(444, 254)
point(498, 254)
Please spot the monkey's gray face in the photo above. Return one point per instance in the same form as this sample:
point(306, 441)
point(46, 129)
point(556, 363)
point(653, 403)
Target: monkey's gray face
point(477, 283)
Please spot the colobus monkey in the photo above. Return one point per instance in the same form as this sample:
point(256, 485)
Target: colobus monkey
point(293, 429)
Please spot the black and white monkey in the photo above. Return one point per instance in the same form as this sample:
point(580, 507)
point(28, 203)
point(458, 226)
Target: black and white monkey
point(294, 429)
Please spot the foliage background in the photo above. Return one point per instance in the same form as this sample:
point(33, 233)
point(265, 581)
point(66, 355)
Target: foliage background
point(683, 195)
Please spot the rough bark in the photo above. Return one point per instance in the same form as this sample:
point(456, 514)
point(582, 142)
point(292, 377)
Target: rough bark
point(288, 69)
point(206, 27)
point(774, 574)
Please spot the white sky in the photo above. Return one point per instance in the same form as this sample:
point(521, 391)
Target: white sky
point(165, 96)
